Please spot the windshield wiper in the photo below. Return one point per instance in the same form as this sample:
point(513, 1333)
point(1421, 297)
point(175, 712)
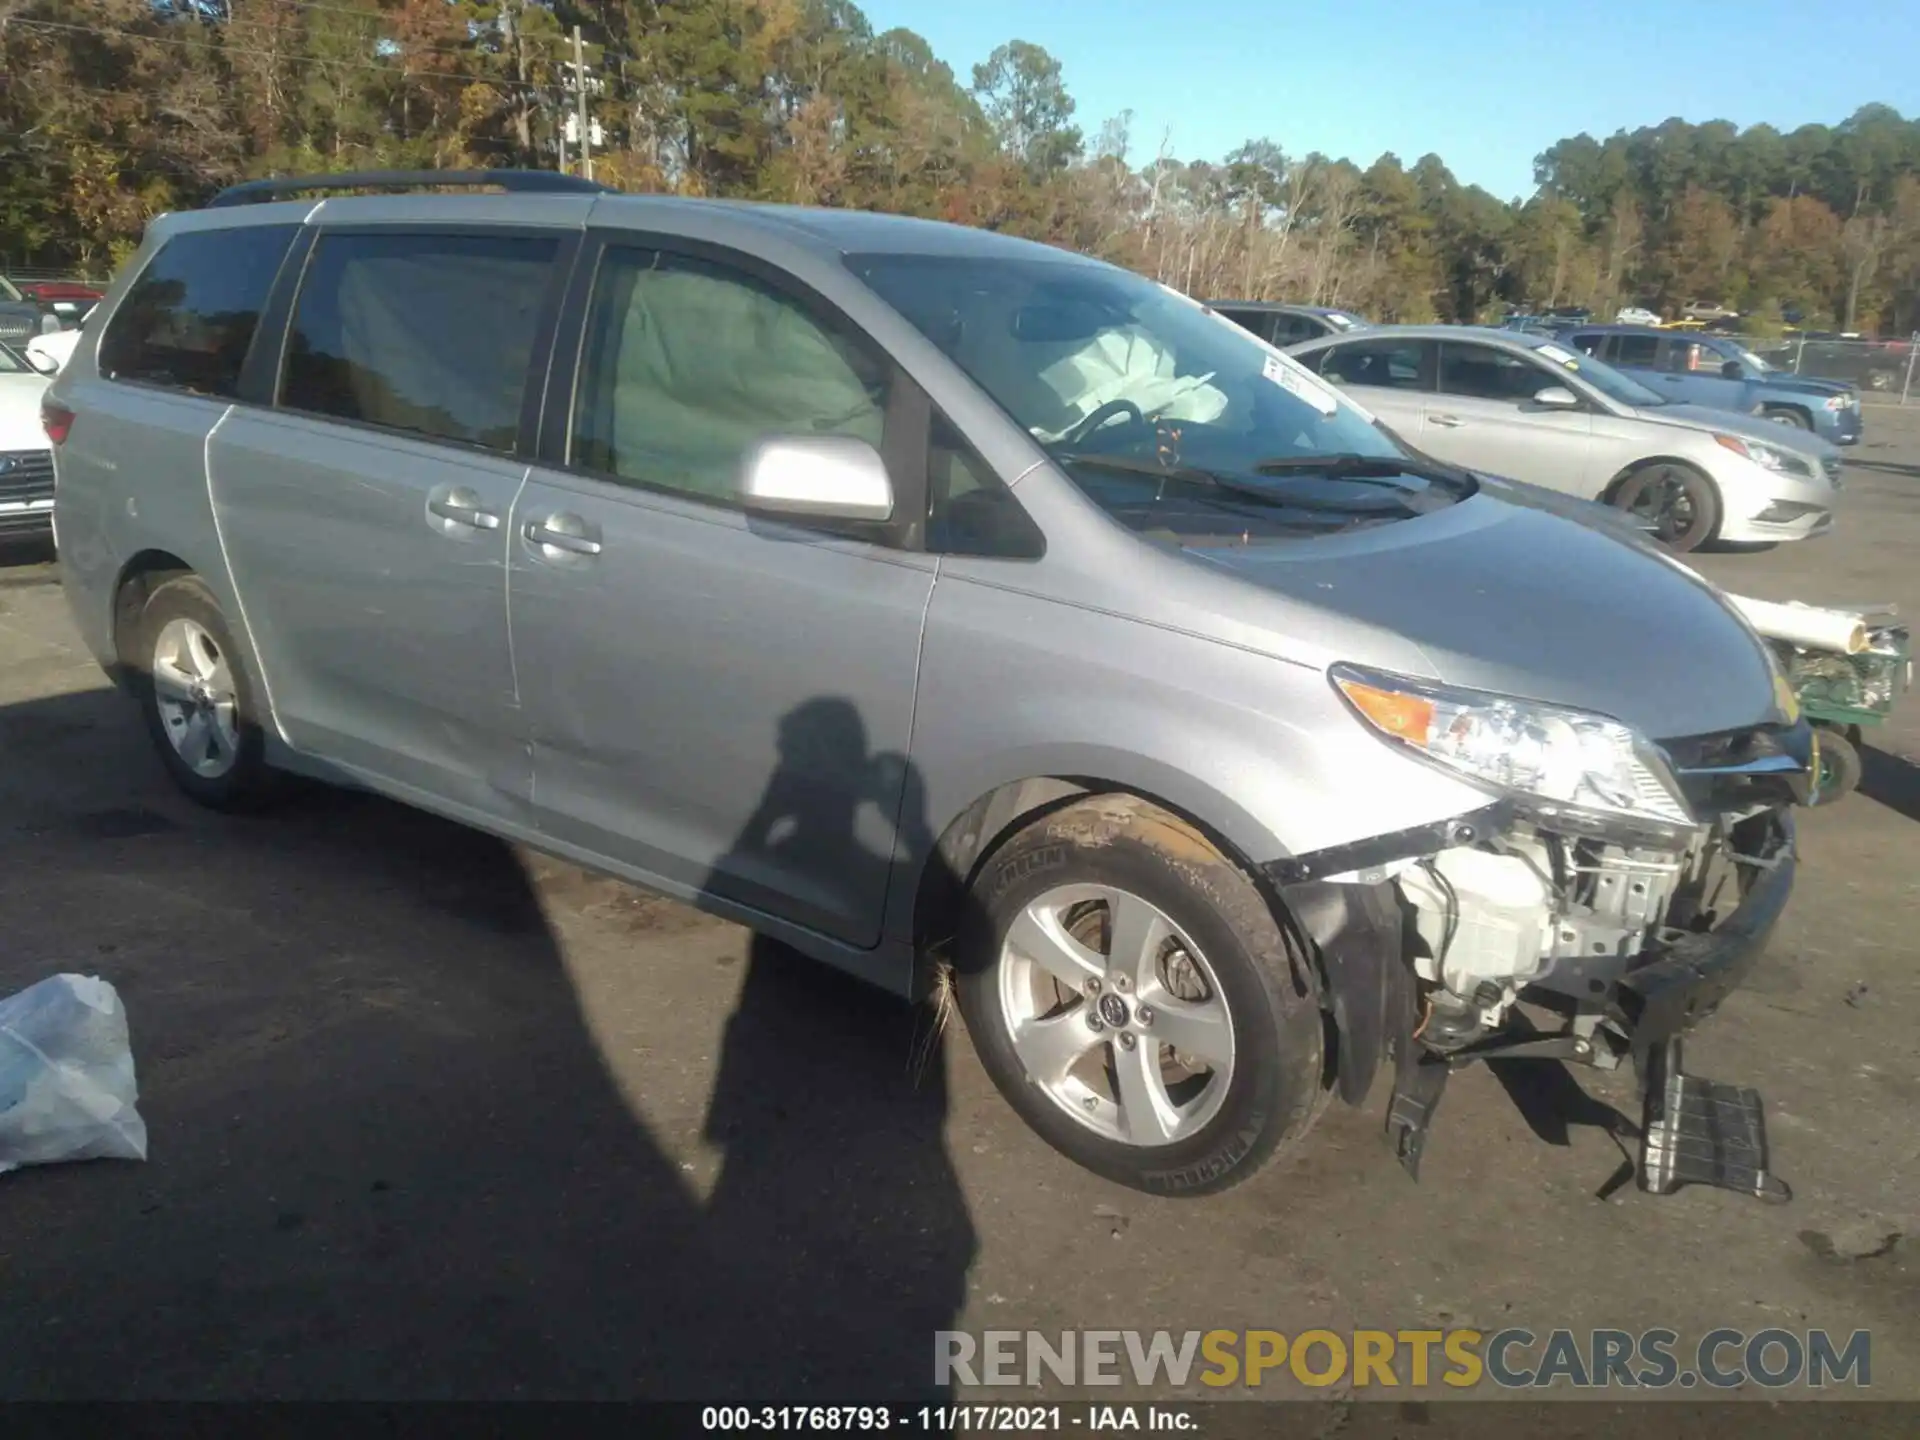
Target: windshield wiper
point(1346, 465)
point(1403, 500)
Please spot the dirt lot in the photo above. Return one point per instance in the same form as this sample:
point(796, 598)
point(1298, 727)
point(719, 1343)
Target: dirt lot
point(432, 1118)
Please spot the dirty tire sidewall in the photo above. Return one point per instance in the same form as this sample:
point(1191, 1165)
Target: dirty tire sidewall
point(1840, 767)
point(1276, 1091)
point(1702, 495)
point(250, 782)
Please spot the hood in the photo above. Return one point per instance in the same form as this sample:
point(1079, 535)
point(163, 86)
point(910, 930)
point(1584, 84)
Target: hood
point(1748, 427)
point(1525, 592)
point(20, 427)
point(1803, 384)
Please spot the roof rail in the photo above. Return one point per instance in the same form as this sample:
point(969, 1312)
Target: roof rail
point(526, 182)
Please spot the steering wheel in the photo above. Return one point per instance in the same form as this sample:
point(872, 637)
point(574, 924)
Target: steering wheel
point(1100, 417)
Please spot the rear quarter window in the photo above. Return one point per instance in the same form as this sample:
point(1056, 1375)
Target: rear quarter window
point(187, 322)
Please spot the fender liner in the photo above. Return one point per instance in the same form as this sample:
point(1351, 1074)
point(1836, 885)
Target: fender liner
point(1357, 933)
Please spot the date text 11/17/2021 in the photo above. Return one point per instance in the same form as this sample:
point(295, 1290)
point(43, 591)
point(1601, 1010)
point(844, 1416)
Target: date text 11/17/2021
point(950, 1419)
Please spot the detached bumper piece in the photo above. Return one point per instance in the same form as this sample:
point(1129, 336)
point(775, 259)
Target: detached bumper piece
point(1700, 1132)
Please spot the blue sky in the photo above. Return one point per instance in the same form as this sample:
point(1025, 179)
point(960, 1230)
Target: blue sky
point(1485, 84)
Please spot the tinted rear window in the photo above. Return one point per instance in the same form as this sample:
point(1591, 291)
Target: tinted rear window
point(428, 333)
point(188, 320)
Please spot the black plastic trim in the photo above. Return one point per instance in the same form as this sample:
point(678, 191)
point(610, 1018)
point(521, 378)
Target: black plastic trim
point(1399, 845)
point(1359, 935)
point(260, 370)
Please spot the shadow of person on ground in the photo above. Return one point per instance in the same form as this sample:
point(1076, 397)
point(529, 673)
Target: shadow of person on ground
point(387, 1158)
point(836, 1191)
point(1884, 467)
point(1893, 780)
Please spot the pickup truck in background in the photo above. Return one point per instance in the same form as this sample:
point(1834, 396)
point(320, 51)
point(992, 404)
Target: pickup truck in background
point(1719, 371)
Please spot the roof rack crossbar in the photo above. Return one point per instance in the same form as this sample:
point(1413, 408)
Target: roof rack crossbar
point(525, 182)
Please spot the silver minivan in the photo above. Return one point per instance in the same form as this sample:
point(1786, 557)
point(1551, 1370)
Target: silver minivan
point(962, 612)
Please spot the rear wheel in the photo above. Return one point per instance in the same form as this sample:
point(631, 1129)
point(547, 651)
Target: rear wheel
point(1676, 503)
point(1132, 995)
point(198, 700)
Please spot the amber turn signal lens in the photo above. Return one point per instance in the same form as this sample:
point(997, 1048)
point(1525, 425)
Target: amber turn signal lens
point(1405, 717)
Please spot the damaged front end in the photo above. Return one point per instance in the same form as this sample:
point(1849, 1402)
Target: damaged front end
point(1535, 929)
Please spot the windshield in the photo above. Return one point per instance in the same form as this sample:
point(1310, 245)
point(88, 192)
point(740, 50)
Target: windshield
point(1747, 357)
point(1622, 389)
point(1145, 399)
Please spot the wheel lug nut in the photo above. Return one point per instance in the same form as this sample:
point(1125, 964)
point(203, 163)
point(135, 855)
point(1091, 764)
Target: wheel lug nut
point(1091, 1103)
point(1144, 1016)
point(1126, 1042)
point(1093, 987)
point(1093, 1021)
point(1120, 983)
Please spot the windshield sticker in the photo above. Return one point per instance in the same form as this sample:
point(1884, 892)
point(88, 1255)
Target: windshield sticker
point(1299, 383)
point(1558, 356)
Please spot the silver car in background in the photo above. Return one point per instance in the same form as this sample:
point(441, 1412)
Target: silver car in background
point(1527, 407)
point(955, 609)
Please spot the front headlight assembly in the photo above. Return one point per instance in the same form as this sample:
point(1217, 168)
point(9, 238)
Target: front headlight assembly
point(1770, 457)
point(1568, 768)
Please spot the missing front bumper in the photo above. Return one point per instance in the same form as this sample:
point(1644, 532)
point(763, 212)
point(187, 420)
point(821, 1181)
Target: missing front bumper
point(1695, 1131)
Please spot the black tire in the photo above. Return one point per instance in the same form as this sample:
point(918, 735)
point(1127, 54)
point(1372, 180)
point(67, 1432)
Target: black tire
point(1274, 1089)
point(1880, 380)
point(1793, 419)
point(1680, 502)
point(247, 781)
point(1840, 768)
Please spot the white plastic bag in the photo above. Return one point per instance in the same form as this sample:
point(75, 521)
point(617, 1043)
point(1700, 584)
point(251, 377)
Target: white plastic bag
point(67, 1089)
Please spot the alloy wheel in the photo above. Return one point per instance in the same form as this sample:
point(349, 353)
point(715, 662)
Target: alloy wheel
point(193, 691)
point(1116, 1015)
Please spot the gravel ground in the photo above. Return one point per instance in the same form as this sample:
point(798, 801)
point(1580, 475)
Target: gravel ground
point(432, 1117)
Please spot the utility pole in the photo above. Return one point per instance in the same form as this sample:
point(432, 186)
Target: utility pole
point(586, 134)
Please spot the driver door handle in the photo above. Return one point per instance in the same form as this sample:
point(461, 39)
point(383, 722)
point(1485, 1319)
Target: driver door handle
point(1447, 422)
point(463, 508)
point(541, 533)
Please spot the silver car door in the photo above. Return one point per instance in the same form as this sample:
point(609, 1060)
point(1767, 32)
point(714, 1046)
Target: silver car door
point(1483, 415)
point(1386, 374)
point(720, 703)
point(365, 517)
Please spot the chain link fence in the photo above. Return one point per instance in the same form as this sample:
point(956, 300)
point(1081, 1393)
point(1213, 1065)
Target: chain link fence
point(1883, 370)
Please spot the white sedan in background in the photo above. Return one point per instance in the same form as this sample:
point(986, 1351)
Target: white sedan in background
point(26, 456)
point(1518, 405)
point(49, 353)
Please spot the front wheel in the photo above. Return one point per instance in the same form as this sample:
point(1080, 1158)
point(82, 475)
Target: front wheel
point(1133, 997)
point(1677, 504)
point(1792, 419)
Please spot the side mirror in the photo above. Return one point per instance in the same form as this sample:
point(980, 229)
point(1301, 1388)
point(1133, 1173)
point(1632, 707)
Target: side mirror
point(1732, 371)
point(816, 477)
point(1556, 397)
